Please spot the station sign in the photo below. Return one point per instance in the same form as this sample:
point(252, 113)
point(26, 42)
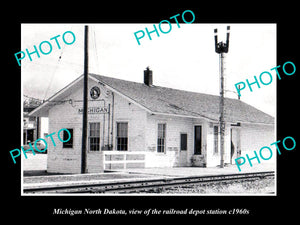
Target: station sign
point(94, 110)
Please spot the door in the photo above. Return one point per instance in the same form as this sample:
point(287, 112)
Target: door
point(197, 140)
point(235, 144)
point(24, 138)
point(30, 136)
point(182, 159)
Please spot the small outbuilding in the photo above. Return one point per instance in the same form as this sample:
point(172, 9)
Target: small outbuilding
point(132, 125)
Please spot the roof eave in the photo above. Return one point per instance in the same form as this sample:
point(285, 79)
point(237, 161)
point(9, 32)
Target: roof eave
point(39, 110)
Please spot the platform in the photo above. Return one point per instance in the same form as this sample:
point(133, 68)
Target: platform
point(201, 171)
point(132, 175)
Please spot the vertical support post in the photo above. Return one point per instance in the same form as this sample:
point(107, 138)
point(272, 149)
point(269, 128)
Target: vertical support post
point(222, 48)
point(103, 138)
point(222, 123)
point(85, 103)
point(112, 120)
point(108, 128)
point(38, 127)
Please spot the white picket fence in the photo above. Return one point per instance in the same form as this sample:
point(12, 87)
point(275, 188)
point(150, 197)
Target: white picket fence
point(123, 160)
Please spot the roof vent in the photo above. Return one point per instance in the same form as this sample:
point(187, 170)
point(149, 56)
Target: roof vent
point(148, 78)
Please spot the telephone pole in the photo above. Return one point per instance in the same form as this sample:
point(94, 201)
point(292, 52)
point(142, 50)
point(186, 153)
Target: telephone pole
point(85, 103)
point(222, 48)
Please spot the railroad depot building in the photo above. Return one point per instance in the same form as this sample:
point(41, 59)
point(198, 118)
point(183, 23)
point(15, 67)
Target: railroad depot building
point(133, 125)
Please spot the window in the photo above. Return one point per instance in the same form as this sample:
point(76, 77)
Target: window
point(94, 137)
point(216, 135)
point(122, 136)
point(69, 143)
point(161, 137)
point(183, 142)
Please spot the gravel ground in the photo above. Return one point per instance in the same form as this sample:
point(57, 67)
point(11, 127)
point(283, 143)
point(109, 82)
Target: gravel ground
point(261, 186)
point(88, 177)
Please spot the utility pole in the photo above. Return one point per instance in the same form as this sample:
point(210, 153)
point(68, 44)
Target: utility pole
point(222, 122)
point(222, 48)
point(85, 103)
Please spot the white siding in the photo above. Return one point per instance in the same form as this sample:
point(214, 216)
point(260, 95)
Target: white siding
point(142, 135)
point(65, 115)
point(126, 111)
point(254, 137)
point(173, 156)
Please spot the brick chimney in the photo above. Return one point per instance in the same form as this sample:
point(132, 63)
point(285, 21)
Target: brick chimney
point(148, 78)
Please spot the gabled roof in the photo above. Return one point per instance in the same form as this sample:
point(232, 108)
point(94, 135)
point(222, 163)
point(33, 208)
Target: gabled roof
point(185, 103)
point(168, 101)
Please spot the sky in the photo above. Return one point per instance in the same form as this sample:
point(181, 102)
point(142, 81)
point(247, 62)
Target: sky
point(183, 59)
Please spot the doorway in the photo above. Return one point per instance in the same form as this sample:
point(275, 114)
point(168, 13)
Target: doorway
point(235, 144)
point(30, 136)
point(197, 140)
point(182, 156)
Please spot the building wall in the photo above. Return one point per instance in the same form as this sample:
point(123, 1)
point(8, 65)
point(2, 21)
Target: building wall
point(251, 137)
point(43, 127)
point(135, 116)
point(66, 115)
point(254, 137)
point(142, 134)
point(212, 157)
point(173, 156)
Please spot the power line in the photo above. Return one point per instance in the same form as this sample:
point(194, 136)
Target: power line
point(96, 52)
point(53, 74)
point(32, 97)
